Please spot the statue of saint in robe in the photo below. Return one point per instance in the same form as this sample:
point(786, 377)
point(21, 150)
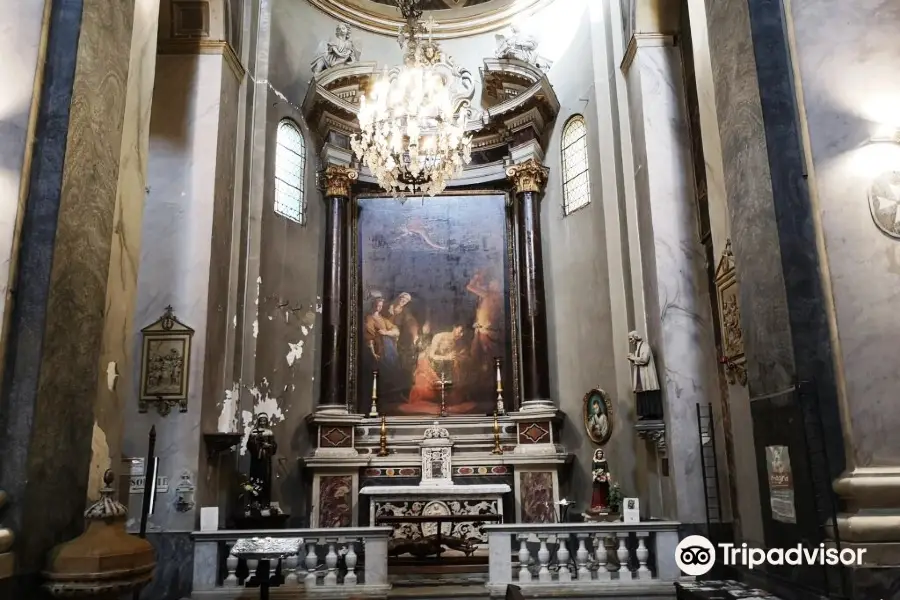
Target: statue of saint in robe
point(339, 51)
point(600, 494)
point(261, 447)
point(644, 379)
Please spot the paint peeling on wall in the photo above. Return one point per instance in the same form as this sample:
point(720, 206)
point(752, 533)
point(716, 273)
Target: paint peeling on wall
point(295, 352)
point(262, 403)
point(228, 418)
point(234, 322)
point(112, 375)
point(255, 327)
point(100, 462)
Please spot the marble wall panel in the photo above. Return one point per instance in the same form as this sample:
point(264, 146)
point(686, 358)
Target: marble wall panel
point(113, 392)
point(850, 94)
point(575, 258)
point(174, 567)
point(20, 43)
point(748, 185)
point(679, 326)
point(176, 257)
point(335, 501)
point(68, 228)
point(537, 497)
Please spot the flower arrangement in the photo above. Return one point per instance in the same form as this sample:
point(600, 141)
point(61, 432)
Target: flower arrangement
point(250, 490)
point(615, 498)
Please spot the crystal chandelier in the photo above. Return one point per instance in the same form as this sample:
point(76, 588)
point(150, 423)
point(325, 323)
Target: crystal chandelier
point(413, 135)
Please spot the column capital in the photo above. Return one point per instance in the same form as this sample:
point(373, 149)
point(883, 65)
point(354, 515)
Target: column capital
point(338, 180)
point(528, 176)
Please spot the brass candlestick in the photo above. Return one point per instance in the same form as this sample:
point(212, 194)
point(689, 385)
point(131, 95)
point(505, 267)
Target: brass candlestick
point(373, 412)
point(501, 409)
point(383, 451)
point(497, 449)
point(442, 384)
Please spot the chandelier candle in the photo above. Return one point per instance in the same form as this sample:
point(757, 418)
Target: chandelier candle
point(413, 126)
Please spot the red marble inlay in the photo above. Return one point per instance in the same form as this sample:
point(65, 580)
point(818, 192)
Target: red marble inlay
point(336, 437)
point(534, 433)
point(372, 472)
point(408, 472)
point(465, 470)
point(499, 470)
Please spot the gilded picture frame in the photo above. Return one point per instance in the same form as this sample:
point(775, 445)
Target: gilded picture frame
point(165, 364)
point(597, 412)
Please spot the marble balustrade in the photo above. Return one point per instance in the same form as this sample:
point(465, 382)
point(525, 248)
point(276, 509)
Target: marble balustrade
point(583, 556)
point(334, 562)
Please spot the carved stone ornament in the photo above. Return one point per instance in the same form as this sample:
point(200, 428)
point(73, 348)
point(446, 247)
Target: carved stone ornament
point(529, 176)
point(654, 432)
point(733, 359)
point(165, 364)
point(884, 202)
point(104, 562)
point(436, 432)
point(338, 180)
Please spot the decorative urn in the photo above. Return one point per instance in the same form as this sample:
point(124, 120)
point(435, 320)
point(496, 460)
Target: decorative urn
point(105, 562)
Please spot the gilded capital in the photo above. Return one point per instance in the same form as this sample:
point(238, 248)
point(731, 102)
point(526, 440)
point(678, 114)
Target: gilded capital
point(529, 176)
point(338, 180)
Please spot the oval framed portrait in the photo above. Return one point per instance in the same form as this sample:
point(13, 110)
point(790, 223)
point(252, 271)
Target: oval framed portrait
point(598, 416)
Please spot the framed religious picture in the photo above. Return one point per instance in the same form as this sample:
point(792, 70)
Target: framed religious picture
point(598, 416)
point(165, 364)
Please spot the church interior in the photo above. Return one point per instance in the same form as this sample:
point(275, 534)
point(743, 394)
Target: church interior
point(449, 298)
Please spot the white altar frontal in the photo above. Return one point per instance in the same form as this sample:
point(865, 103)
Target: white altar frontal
point(437, 495)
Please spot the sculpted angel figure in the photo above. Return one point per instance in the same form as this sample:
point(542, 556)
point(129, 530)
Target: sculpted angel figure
point(339, 51)
point(517, 45)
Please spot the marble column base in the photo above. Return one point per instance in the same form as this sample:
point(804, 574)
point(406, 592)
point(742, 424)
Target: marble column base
point(329, 409)
point(542, 404)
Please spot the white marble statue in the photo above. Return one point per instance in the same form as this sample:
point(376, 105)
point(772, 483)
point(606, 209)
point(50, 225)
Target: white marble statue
point(517, 45)
point(643, 367)
point(339, 51)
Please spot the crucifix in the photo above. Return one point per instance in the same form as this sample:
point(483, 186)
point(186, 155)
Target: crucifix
point(442, 384)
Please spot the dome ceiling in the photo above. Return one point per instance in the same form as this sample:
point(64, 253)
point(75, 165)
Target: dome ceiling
point(454, 18)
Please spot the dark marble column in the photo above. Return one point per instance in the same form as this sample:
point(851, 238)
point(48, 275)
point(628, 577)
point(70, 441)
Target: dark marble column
point(333, 379)
point(56, 326)
point(528, 179)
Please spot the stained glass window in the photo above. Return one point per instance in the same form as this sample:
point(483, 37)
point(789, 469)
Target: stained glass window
point(576, 179)
point(290, 159)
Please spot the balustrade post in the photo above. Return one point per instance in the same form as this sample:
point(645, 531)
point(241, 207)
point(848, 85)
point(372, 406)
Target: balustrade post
point(312, 562)
point(231, 564)
point(602, 558)
point(252, 566)
point(544, 575)
point(624, 556)
point(350, 560)
point(562, 559)
point(643, 553)
point(524, 560)
point(331, 560)
point(582, 556)
point(289, 570)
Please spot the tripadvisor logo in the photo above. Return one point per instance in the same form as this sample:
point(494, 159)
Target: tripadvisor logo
point(695, 555)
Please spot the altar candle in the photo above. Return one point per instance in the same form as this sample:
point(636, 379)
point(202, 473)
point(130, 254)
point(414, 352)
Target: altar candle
point(374, 384)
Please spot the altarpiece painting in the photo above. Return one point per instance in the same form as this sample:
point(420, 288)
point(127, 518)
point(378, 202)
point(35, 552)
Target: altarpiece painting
point(433, 302)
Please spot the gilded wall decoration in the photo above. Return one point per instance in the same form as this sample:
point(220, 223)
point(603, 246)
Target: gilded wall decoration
point(536, 496)
point(884, 203)
point(732, 335)
point(165, 364)
point(598, 415)
point(336, 501)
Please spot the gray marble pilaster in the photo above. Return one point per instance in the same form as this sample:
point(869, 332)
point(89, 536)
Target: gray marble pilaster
point(206, 565)
point(56, 326)
point(679, 320)
point(376, 561)
point(500, 549)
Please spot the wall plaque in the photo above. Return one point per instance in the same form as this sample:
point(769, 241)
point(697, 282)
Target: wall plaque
point(165, 364)
point(781, 484)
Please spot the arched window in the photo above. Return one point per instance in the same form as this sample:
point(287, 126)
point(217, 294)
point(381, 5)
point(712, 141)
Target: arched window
point(290, 161)
point(575, 176)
